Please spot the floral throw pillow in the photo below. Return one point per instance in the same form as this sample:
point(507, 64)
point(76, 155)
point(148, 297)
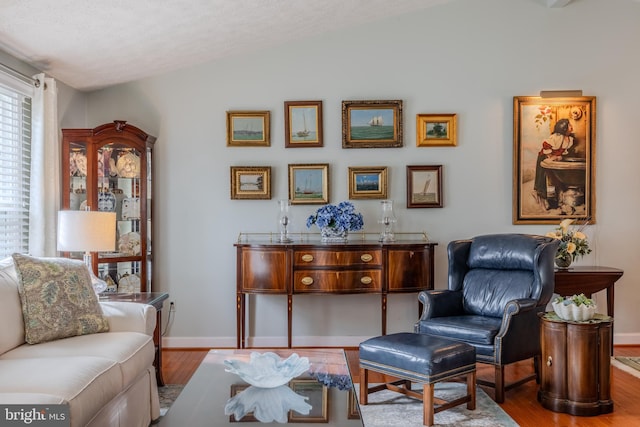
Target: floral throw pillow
point(57, 299)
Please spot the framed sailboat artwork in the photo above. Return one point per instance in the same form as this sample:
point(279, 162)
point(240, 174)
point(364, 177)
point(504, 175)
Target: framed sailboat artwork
point(372, 124)
point(309, 184)
point(424, 186)
point(302, 124)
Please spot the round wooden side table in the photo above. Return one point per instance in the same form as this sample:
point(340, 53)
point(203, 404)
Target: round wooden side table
point(576, 365)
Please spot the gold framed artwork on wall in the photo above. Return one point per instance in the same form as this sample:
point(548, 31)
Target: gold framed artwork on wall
point(436, 130)
point(368, 182)
point(554, 150)
point(372, 124)
point(309, 184)
point(250, 182)
point(248, 129)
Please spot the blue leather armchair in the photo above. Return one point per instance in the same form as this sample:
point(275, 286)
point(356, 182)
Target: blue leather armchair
point(497, 286)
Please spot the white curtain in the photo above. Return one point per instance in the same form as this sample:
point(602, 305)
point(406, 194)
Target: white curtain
point(45, 169)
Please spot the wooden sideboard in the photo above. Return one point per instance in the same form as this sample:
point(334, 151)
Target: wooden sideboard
point(359, 266)
point(576, 365)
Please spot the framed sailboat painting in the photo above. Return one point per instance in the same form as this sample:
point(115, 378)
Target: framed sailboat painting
point(303, 124)
point(372, 124)
point(309, 184)
point(424, 186)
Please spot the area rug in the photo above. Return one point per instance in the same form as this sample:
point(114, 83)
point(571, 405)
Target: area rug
point(387, 409)
point(168, 394)
point(630, 365)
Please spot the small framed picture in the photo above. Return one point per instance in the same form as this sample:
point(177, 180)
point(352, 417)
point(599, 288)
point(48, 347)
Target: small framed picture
point(424, 186)
point(371, 124)
point(250, 182)
point(436, 130)
point(236, 389)
point(302, 124)
point(248, 129)
point(368, 182)
point(309, 184)
point(317, 394)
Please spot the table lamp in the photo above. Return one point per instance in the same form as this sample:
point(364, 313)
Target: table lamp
point(87, 231)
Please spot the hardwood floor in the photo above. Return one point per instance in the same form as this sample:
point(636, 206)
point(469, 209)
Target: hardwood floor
point(520, 403)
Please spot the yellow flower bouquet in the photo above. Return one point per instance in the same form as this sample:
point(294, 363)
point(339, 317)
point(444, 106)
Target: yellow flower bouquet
point(573, 242)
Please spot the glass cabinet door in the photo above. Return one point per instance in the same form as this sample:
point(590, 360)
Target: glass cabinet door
point(109, 170)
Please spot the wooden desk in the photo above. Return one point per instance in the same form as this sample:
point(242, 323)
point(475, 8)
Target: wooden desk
point(588, 280)
point(359, 266)
point(155, 299)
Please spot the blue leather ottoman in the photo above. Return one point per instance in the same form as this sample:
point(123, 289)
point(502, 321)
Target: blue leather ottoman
point(420, 358)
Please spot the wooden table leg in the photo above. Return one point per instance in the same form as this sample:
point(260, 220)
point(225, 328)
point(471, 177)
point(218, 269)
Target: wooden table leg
point(157, 338)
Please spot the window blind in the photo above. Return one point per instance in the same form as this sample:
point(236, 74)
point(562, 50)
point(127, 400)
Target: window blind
point(15, 164)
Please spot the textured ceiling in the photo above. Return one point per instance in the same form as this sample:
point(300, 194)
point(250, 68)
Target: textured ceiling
point(93, 44)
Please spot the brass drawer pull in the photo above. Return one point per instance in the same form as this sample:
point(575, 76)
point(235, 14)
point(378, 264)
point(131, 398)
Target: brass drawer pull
point(366, 280)
point(307, 257)
point(366, 257)
point(549, 361)
point(307, 281)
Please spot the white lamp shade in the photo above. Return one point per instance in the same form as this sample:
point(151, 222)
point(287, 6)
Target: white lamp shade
point(86, 231)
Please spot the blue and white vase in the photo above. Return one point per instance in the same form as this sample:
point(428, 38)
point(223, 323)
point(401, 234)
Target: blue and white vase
point(332, 235)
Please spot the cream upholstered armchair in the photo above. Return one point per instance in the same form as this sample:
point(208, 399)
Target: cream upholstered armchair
point(497, 286)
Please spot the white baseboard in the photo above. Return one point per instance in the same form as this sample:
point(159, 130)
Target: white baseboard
point(626, 338)
point(312, 341)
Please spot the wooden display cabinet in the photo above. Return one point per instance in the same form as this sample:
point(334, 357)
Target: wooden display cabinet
point(108, 168)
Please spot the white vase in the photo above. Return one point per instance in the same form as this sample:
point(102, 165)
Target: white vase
point(572, 312)
point(332, 235)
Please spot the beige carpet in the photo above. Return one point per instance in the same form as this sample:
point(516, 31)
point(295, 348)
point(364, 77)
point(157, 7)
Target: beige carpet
point(389, 409)
point(630, 365)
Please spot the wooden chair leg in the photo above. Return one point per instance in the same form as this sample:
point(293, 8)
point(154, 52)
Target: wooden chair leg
point(499, 370)
point(427, 404)
point(364, 388)
point(471, 390)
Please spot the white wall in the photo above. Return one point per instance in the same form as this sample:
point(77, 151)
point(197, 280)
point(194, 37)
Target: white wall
point(466, 57)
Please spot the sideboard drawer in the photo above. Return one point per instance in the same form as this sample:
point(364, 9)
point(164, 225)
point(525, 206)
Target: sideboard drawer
point(262, 270)
point(332, 258)
point(326, 281)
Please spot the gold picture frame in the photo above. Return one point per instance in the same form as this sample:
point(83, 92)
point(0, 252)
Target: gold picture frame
point(250, 182)
point(372, 124)
point(309, 184)
point(436, 130)
point(248, 128)
point(368, 182)
point(554, 148)
point(303, 124)
point(318, 399)
point(424, 186)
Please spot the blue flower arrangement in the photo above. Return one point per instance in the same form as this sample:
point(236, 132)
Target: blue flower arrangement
point(341, 217)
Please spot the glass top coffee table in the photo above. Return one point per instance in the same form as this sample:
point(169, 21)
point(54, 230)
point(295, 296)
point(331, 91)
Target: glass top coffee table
point(325, 386)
